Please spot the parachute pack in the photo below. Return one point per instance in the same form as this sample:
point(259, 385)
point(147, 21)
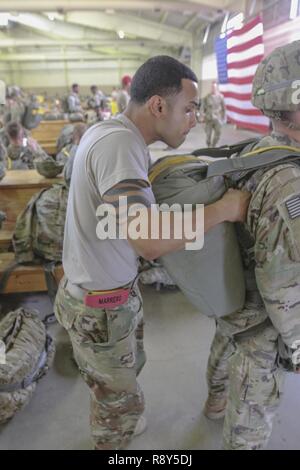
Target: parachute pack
point(26, 354)
point(39, 230)
point(211, 278)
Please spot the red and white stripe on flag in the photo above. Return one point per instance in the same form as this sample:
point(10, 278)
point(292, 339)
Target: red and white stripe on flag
point(245, 50)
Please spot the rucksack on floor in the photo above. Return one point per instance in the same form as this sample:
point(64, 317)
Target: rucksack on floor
point(211, 278)
point(27, 352)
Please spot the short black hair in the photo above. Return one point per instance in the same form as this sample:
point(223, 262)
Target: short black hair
point(160, 75)
point(74, 85)
point(13, 129)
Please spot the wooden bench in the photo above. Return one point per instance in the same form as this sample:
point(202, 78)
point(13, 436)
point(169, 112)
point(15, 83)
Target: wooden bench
point(6, 234)
point(50, 148)
point(25, 278)
point(46, 134)
point(17, 188)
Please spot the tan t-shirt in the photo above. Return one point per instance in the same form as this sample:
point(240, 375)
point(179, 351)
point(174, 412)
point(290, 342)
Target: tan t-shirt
point(109, 152)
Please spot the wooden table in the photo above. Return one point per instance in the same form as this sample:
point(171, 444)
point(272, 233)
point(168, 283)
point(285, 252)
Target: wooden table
point(46, 134)
point(25, 278)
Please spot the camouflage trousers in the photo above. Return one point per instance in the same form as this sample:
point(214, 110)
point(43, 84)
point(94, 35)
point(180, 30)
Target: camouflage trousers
point(213, 132)
point(244, 369)
point(108, 348)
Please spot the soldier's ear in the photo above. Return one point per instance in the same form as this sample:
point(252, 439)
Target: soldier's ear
point(157, 106)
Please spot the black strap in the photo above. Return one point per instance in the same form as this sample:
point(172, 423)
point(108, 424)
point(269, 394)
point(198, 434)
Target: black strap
point(6, 275)
point(267, 159)
point(34, 375)
point(226, 151)
point(52, 286)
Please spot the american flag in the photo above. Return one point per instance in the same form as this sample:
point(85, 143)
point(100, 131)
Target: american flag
point(238, 55)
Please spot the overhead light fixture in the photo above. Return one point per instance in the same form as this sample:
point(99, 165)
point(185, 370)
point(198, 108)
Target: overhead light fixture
point(4, 17)
point(294, 9)
point(121, 34)
point(51, 17)
point(224, 25)
point(206, 34)
point(110, 11)
point(252, 7)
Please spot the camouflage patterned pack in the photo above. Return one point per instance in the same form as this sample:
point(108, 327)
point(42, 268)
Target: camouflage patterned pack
point(39, 230)
point(47, 166)
point(2, 218)
point(31, 118)
point(65, 137)
point(2, 174)
point(27, 352)
point(2, 170)
point(20, 157)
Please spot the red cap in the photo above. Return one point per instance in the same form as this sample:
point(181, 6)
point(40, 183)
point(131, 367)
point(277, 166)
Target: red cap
point(126, 80)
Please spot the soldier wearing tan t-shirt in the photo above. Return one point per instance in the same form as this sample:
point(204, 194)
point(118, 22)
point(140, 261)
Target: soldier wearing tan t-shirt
point(111, 163)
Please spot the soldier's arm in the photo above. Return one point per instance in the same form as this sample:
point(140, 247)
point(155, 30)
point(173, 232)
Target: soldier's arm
point(274, 218)
point(232, 207)
point(71, 104)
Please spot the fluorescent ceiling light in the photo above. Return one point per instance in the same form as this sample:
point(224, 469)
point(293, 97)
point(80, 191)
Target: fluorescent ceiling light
point(32, 21)
point(4, 17)
point(224, 25)
point(294, 9)
point(121, 34)
point(206, 34)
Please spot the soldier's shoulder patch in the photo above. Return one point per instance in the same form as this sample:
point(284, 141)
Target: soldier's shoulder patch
point(293, 207)
point(289, 208)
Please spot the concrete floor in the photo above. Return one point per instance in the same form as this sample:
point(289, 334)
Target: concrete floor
point(177, 341)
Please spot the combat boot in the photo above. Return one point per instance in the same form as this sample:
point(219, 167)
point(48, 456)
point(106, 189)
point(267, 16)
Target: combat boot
point(140, 427)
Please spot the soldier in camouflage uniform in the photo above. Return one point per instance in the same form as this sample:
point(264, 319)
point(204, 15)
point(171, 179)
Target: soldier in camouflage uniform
point(252, 347)
point(22, 151)
point(214, 112)
point(70, 150)
point(15, 106)
point(96, 101)
point(2, 174)
point(3, 160)
point(74, 106)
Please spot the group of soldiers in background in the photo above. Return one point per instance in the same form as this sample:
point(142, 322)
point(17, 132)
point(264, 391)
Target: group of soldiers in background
point(30, 109)
point(23, 112)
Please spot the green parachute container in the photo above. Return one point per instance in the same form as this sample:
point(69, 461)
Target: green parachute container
point(211, 278)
